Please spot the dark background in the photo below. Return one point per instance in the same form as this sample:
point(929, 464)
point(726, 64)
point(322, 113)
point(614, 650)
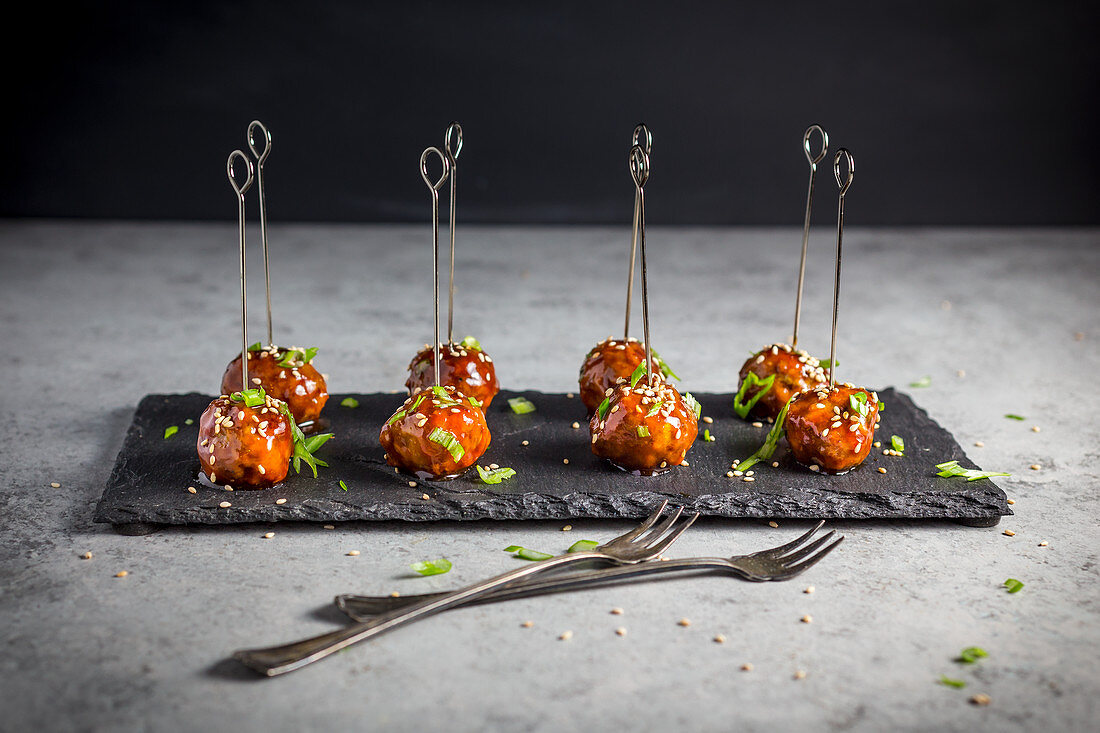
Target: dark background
point(957, 113)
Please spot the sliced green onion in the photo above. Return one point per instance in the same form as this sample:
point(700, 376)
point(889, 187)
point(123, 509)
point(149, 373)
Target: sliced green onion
point(881, 406)
point(495, 475)
point(643, 431)
point(898, 443)
point(751, 380)
point(693, 404)
point(343, 486)
point(604, 406)
point(314, 442)
point(432, 567)
point(521, 405)
point(582, 546)
point(188, 421)
point(1010, 416)
point(474, 401)
point(250, 397)
point(971, 654)
point(448, 441)
point(170, 431)
point(526, 554)
point(858, 402)
point(349, 402)
point(1013, 585)
point(707, 437)
point(827, 363)
point(765, 451)
point(655, 409)
point(444, 397)
point(396, 416)
point(469, 343)
point(256, 347)
point(925, 381)
point(957, 684)
point(297, 357)
point(952, 468)
point(637, 373)
point(416, 402)
point(301, 452)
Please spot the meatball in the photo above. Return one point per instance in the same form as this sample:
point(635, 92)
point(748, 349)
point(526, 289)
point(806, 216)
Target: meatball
point(243, 446)
point(463, 365)
point(607, 363)
point(285, 374)
point(644, 429)
point(438, 433)
point(795, 371)
point(832, 428)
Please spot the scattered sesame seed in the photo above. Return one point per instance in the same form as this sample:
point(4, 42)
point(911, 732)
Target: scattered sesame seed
point(1044, 543)
point(981, 699)
point(225, 505)
point(809, 589)
point(800, 674)
point(268, 535)
point(526, 442)
point(1035, 428)
point(55, 485)
point(280, 501)
point(773, 524)
point(576, 425)
point(616, 611)
point(621, 631)
point(255, 380)
point(425, 497)
point(961, 373)
point(758, 424)
point(738, 473)
point(353, 553)
point(708, 419)
point(1011, 501)
point(775, 464)
point(493, 466)
point(729, 474)
point(329, 526)
point(565, 636)
point(881, 470)
point(979, 444)
point(1035, 466)
point(720, 639)
point(192, 490)
point(748, 479)
point(122, 573)
point(815, 467)
point(1009, 533)
point(565, 461)
point(412, 484)
point(807, 619)
point(569, 395)
point(746, 667)
point(877, 444)
point(684, 622)
point(567, 528)
point(86, 556)
point(395, 594)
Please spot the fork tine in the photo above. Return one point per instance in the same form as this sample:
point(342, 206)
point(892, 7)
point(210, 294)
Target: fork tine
point(809, 562)
point(649, 522)
point(664, 544)
point(790, 545)
point(808, 550)
point(661, 528)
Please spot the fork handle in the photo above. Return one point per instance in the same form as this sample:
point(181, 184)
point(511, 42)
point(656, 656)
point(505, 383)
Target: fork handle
point(278, 660)
point(362, 608)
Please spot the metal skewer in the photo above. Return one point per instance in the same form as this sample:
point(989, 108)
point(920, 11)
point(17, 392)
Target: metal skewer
point(434, 188)
point(639, 171)
point(240, 191)
point(260, 158)
point(643, 137)
point(844, 184)
point(452, 155)
point(814, 160)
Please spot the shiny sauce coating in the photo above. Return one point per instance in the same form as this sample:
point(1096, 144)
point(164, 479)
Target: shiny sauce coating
point(607, 363)
point(794, 370)
point(643, 429)
point(468, 369)
point(437, 433)
point(826, 428)
point(244, 447)
point(300, 385)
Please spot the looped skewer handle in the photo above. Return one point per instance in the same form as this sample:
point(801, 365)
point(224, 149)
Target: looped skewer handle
point(434, 188)
point(639, 166)
point(240, 191)
point(639, 171)
point(252, 127)
point(643, 137)
point(260, 158)
point(844, 182)
point(815, 159)
point(454, 130)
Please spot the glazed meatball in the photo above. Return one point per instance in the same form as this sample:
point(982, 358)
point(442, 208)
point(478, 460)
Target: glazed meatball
point(607, 363)
point(643, 429)
point(832, 429)
point(438, 433)
point(463, 365)
point(285, 374)
point(794, 370)
point(245, 447)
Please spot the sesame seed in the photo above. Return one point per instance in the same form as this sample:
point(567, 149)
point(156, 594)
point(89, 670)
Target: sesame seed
point(122, 573)
point(979, 444)
point(748, 479)
point(263, 470)
point(684, 622)
point(881, 470)
point(808, 590)
point(565, 461)
point(353, 553)
point(192, 490)
point(773, 524)
point(621, 631)
point(1034, 428)
point(819, 406)
point(981, 699)
point(576, 425)
point(55, 485)
point(328, 526)
point(395, 594)
point(960, 373)
point(526, 442)
point(877, 444)
point(815, 467)
point(720, 639)
point(729, 474)
point(746, 667)
point(255, 380)
point(800, 674)
point(565, 636)
point(412, 484)
point(567, 528)
point(1034, 466)
point(775, 464)
point(807, 619)
point(569, 395)
point(758, 424)
point(708, 419)
point(527, 624)
point(825, 433)
point(86, 556)
point(616, 611)
point(280, 501)
point(1044, 543)
point(268, 535)
point(225, 505)
point(1011, 501)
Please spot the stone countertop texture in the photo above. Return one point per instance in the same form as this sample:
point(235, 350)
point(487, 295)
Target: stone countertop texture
point(95, 316)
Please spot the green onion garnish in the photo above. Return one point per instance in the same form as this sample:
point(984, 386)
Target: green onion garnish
point(1013, 585)
point(1010, 416)
point(396, 416)
point(448, 441)
point(256, 347)
point(303, 448)
point(343, 486)
point(250, 397)
point(521, 405)
point(349, 402)
point(858, 403)
point(707, 437)
point(925, 381)
point(443, 396)
point(751, 380)
point(827, 363)
point(470, 343)
point(432, 567)
point(952, 468)
point(604, 407)
point(957, 684)
point(170, 431)
point(582, 546)
point(897, 443)
point(297, 357)
point(495, 475)
point(188, 421)
point(474, 401)
point(526, 554)
point(765, 451)
point(655, 409)
point(693, 404)
point(637, 373)
point(971, 654)
point(643, 431)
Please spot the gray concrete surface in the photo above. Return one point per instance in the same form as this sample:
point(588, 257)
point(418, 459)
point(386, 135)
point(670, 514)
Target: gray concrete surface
point(93, 316)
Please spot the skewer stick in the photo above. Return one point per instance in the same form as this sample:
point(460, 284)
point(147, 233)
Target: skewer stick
point(260, 158)
point(452, 155)
point(814, 160)
point(639, 170)
point(642, 136)
point(434, 188)
point(240, 191)
point(844, 184)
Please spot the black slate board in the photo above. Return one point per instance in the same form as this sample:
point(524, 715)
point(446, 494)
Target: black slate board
point(149, 483)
